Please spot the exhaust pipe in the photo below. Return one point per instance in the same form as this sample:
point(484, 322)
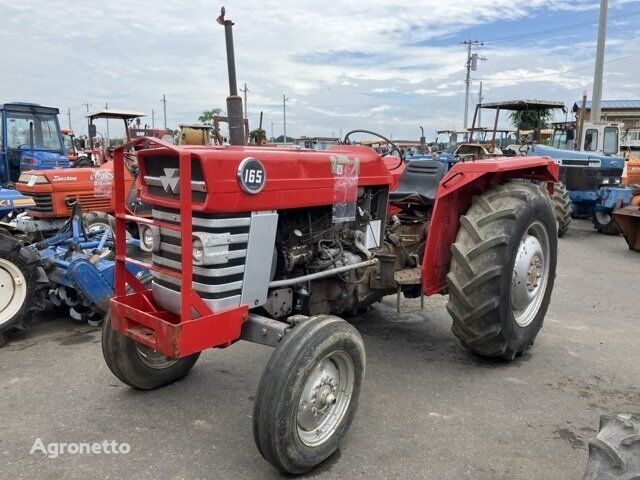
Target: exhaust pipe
point(234, 101)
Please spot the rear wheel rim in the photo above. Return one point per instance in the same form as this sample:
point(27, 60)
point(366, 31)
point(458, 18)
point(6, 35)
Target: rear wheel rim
point(603, 218)
point(530, 274)
point(325, 399)
point(13, 290)
point(153, 358)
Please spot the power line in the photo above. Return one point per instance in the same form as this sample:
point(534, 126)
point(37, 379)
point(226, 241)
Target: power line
point(562, 29)
point(562, 72)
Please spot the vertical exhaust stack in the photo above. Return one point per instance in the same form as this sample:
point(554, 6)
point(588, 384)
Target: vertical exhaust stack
point(234, 101)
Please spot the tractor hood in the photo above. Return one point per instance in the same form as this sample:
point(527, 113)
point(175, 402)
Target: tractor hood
point(42, 160)
point(597, 159)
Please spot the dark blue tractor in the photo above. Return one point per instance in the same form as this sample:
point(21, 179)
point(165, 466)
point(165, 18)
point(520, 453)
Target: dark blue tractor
point(593, 182)
point(30, 139)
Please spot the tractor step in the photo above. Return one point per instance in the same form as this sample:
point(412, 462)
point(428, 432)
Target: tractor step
point(408, 276)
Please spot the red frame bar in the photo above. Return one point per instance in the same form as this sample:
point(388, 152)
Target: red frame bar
point(136, 314)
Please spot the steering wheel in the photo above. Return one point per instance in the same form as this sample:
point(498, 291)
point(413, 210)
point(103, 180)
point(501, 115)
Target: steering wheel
point(523, 148)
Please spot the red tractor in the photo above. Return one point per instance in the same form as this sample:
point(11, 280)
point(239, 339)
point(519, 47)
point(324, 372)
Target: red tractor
point(274, 245)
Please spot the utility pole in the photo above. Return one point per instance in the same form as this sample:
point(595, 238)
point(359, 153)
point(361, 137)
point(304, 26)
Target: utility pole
point(69, 118)
point(153, 119)
point(272, 132)
point(164, 109)
point(106, 107)
point(596, 97)
point(244, 93)
point(471, 65)
point(480, 99)
point(284, 116)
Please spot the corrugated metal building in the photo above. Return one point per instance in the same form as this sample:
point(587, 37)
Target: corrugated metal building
point(625, 111)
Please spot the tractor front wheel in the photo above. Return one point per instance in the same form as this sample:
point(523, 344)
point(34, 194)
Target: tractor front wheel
point(502, 269)
point(603, 223)
point(561, 207)
point(137, 365)
point(308, 394)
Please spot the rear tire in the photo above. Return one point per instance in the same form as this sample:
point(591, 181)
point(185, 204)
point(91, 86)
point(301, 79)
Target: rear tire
point(561, 207)
point(502, 270)
point(139, 366)
point(615, 452)
point(603, 223)
point(22, 284)
point(308, 394)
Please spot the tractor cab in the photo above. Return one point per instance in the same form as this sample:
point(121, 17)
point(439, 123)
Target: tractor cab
point(30, 139)
point(69, 143)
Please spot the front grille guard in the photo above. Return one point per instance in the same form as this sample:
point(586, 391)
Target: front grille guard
point(134, 312)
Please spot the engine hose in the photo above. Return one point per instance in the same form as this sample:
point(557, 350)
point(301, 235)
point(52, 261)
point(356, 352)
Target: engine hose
point(393, 145)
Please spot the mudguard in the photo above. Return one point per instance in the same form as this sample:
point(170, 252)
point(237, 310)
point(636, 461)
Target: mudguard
point(454, 197)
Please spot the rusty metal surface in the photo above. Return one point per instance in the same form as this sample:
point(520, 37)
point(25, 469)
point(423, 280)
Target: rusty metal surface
point(628, 221)
point(409, 276)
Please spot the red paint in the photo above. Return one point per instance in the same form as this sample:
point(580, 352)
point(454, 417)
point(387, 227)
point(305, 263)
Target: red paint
point(459, 185)
point(295, 179)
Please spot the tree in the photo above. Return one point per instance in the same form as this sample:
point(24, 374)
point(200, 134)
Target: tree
point(257, 136)
point(206, 117)
point(528, 119)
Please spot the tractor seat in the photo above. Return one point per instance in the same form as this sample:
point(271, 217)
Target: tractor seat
point(418, 183)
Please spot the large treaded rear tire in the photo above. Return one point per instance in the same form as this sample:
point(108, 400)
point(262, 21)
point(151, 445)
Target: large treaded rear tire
point(561, 207)
point(283, 406)
point(482, 278)
point(615, 453)
point(25, 300)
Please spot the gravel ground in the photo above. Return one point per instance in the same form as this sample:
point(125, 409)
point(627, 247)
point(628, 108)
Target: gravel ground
point(428, 408)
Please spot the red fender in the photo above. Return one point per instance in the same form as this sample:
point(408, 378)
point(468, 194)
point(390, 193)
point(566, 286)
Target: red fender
point(454, 197)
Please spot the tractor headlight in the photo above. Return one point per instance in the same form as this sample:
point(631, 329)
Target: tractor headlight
point(198, 251)
point(210, 248)
point(30, 179)
point(605, 181)
point(149, 238)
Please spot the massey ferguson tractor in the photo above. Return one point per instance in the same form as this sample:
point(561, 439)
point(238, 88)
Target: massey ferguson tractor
point(274, 246)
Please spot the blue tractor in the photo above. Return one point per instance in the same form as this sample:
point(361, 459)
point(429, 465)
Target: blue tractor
point(590, 176)
point(30, 139)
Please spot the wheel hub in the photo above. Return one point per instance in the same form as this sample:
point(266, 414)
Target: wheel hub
point(13, 290)
point(529, 277)
point(325, 398)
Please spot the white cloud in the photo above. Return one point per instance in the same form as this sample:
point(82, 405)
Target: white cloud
point(347, 66)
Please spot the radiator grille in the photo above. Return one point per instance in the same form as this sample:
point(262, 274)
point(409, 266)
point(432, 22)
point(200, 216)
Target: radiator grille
point(44, 202)
point(221, 281)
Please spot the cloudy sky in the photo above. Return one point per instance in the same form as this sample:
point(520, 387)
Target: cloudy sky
point(377, 64)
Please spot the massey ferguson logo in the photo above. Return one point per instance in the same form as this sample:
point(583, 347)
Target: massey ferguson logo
point(170, 180)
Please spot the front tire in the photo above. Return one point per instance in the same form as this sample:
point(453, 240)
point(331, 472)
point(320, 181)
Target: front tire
point(603, 223)
point(615, 452)
point(22, 284)
point(308, 394)
point(502, 270)
point(561, 207)
point(139, 366)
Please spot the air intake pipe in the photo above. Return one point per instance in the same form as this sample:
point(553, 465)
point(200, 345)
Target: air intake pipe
point(234, 101)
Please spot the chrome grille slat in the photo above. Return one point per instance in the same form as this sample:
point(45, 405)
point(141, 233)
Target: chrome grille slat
point(196, 185)
point(201, 287)
point(219, 283)
point(203, 222)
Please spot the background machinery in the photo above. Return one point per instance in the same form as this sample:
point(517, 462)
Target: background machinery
point(271, 245)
